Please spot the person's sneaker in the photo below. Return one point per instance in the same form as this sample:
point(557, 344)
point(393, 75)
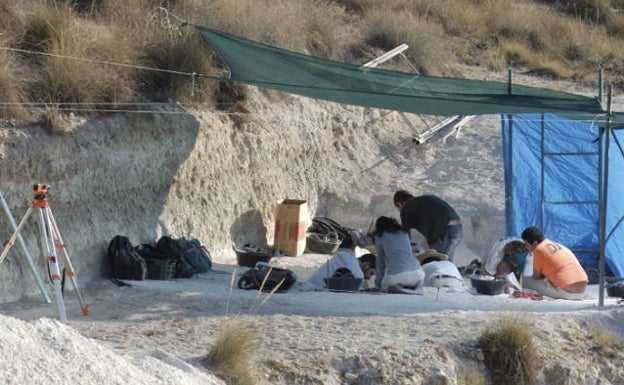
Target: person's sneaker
point(393, 290)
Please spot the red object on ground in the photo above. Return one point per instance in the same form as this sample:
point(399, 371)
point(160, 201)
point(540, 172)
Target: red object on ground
point(533, 296)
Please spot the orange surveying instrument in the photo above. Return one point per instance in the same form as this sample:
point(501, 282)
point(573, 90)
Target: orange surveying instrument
point(50, 241)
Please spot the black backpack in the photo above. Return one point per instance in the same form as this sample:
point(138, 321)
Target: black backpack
point(171, 249)
point(252, 279)
point(124, 261)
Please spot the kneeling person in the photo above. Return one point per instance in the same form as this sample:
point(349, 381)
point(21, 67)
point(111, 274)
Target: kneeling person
point(396, 266)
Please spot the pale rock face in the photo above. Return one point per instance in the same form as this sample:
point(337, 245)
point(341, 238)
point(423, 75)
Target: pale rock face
point(198, 174)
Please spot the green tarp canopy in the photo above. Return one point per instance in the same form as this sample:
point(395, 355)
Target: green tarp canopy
point(271, 67)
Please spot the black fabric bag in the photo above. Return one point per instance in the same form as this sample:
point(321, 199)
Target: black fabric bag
point(252, 279)
point(171, 249)
point(124, 261)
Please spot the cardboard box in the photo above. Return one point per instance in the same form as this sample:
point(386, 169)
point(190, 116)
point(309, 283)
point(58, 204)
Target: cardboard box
point(291, 218)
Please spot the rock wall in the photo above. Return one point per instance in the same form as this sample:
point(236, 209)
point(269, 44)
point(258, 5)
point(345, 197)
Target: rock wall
point(217, 177)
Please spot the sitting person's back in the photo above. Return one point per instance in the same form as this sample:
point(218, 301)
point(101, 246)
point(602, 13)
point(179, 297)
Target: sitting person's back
point(344, 258)
point(396, 265)
point(439, 271)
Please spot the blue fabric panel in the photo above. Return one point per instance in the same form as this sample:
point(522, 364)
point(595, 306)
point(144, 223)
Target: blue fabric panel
point(614, 247)
point(552, 180)
point(571, 178)
point(573, 225)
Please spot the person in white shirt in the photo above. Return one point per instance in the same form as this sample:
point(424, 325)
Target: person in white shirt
point(344, 258)
point(439, 271)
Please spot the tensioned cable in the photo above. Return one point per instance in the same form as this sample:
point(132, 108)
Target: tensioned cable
point(134, 66)
point(100, 61)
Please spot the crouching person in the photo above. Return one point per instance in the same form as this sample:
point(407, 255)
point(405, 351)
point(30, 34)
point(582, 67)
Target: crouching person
point(344, 258)
point(557, 272)
point(439, 271)
point(396, 267)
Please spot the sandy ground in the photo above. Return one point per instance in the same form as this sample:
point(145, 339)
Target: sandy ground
point(157, 332)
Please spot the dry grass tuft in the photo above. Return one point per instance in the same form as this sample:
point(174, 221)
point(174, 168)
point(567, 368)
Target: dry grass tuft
point(233, 354)
point(509, 352)
point(10, 87)
point(606, 342)
point(471, 376)
point(428, 52)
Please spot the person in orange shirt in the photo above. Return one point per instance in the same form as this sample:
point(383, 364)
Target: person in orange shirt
point(557, 272)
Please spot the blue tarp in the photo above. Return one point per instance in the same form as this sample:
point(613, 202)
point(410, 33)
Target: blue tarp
point(553, 179)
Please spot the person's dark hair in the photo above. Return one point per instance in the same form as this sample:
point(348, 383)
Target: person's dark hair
point(347, 243)
point(514, 247)
point(430, 259)
point(387, 225)
point(370, 258)
point(532, 234)
point(402, 196)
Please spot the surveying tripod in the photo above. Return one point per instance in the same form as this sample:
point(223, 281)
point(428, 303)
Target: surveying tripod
point(50, 241)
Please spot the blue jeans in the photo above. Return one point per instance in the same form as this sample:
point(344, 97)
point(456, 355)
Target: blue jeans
point(451, 240)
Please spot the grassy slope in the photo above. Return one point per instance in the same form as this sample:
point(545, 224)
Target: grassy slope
point(109, 53)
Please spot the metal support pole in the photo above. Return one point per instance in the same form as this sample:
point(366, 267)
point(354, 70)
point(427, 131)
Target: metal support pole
point(600, 85)
point(603, 199)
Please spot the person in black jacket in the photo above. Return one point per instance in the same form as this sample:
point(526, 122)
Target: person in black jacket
point(435, 219)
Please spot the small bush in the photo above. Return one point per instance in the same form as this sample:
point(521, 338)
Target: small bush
point(471, 376)
point(605, 341)
point(387, 29)
point(550, 68)
point(516, 54)
point(10, 86)
point(509, 352)
point(232, 356)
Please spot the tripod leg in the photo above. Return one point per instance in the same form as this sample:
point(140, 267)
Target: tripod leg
point(47, 246)
point(11, 240)
point(21, 242)
point(58, 242)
